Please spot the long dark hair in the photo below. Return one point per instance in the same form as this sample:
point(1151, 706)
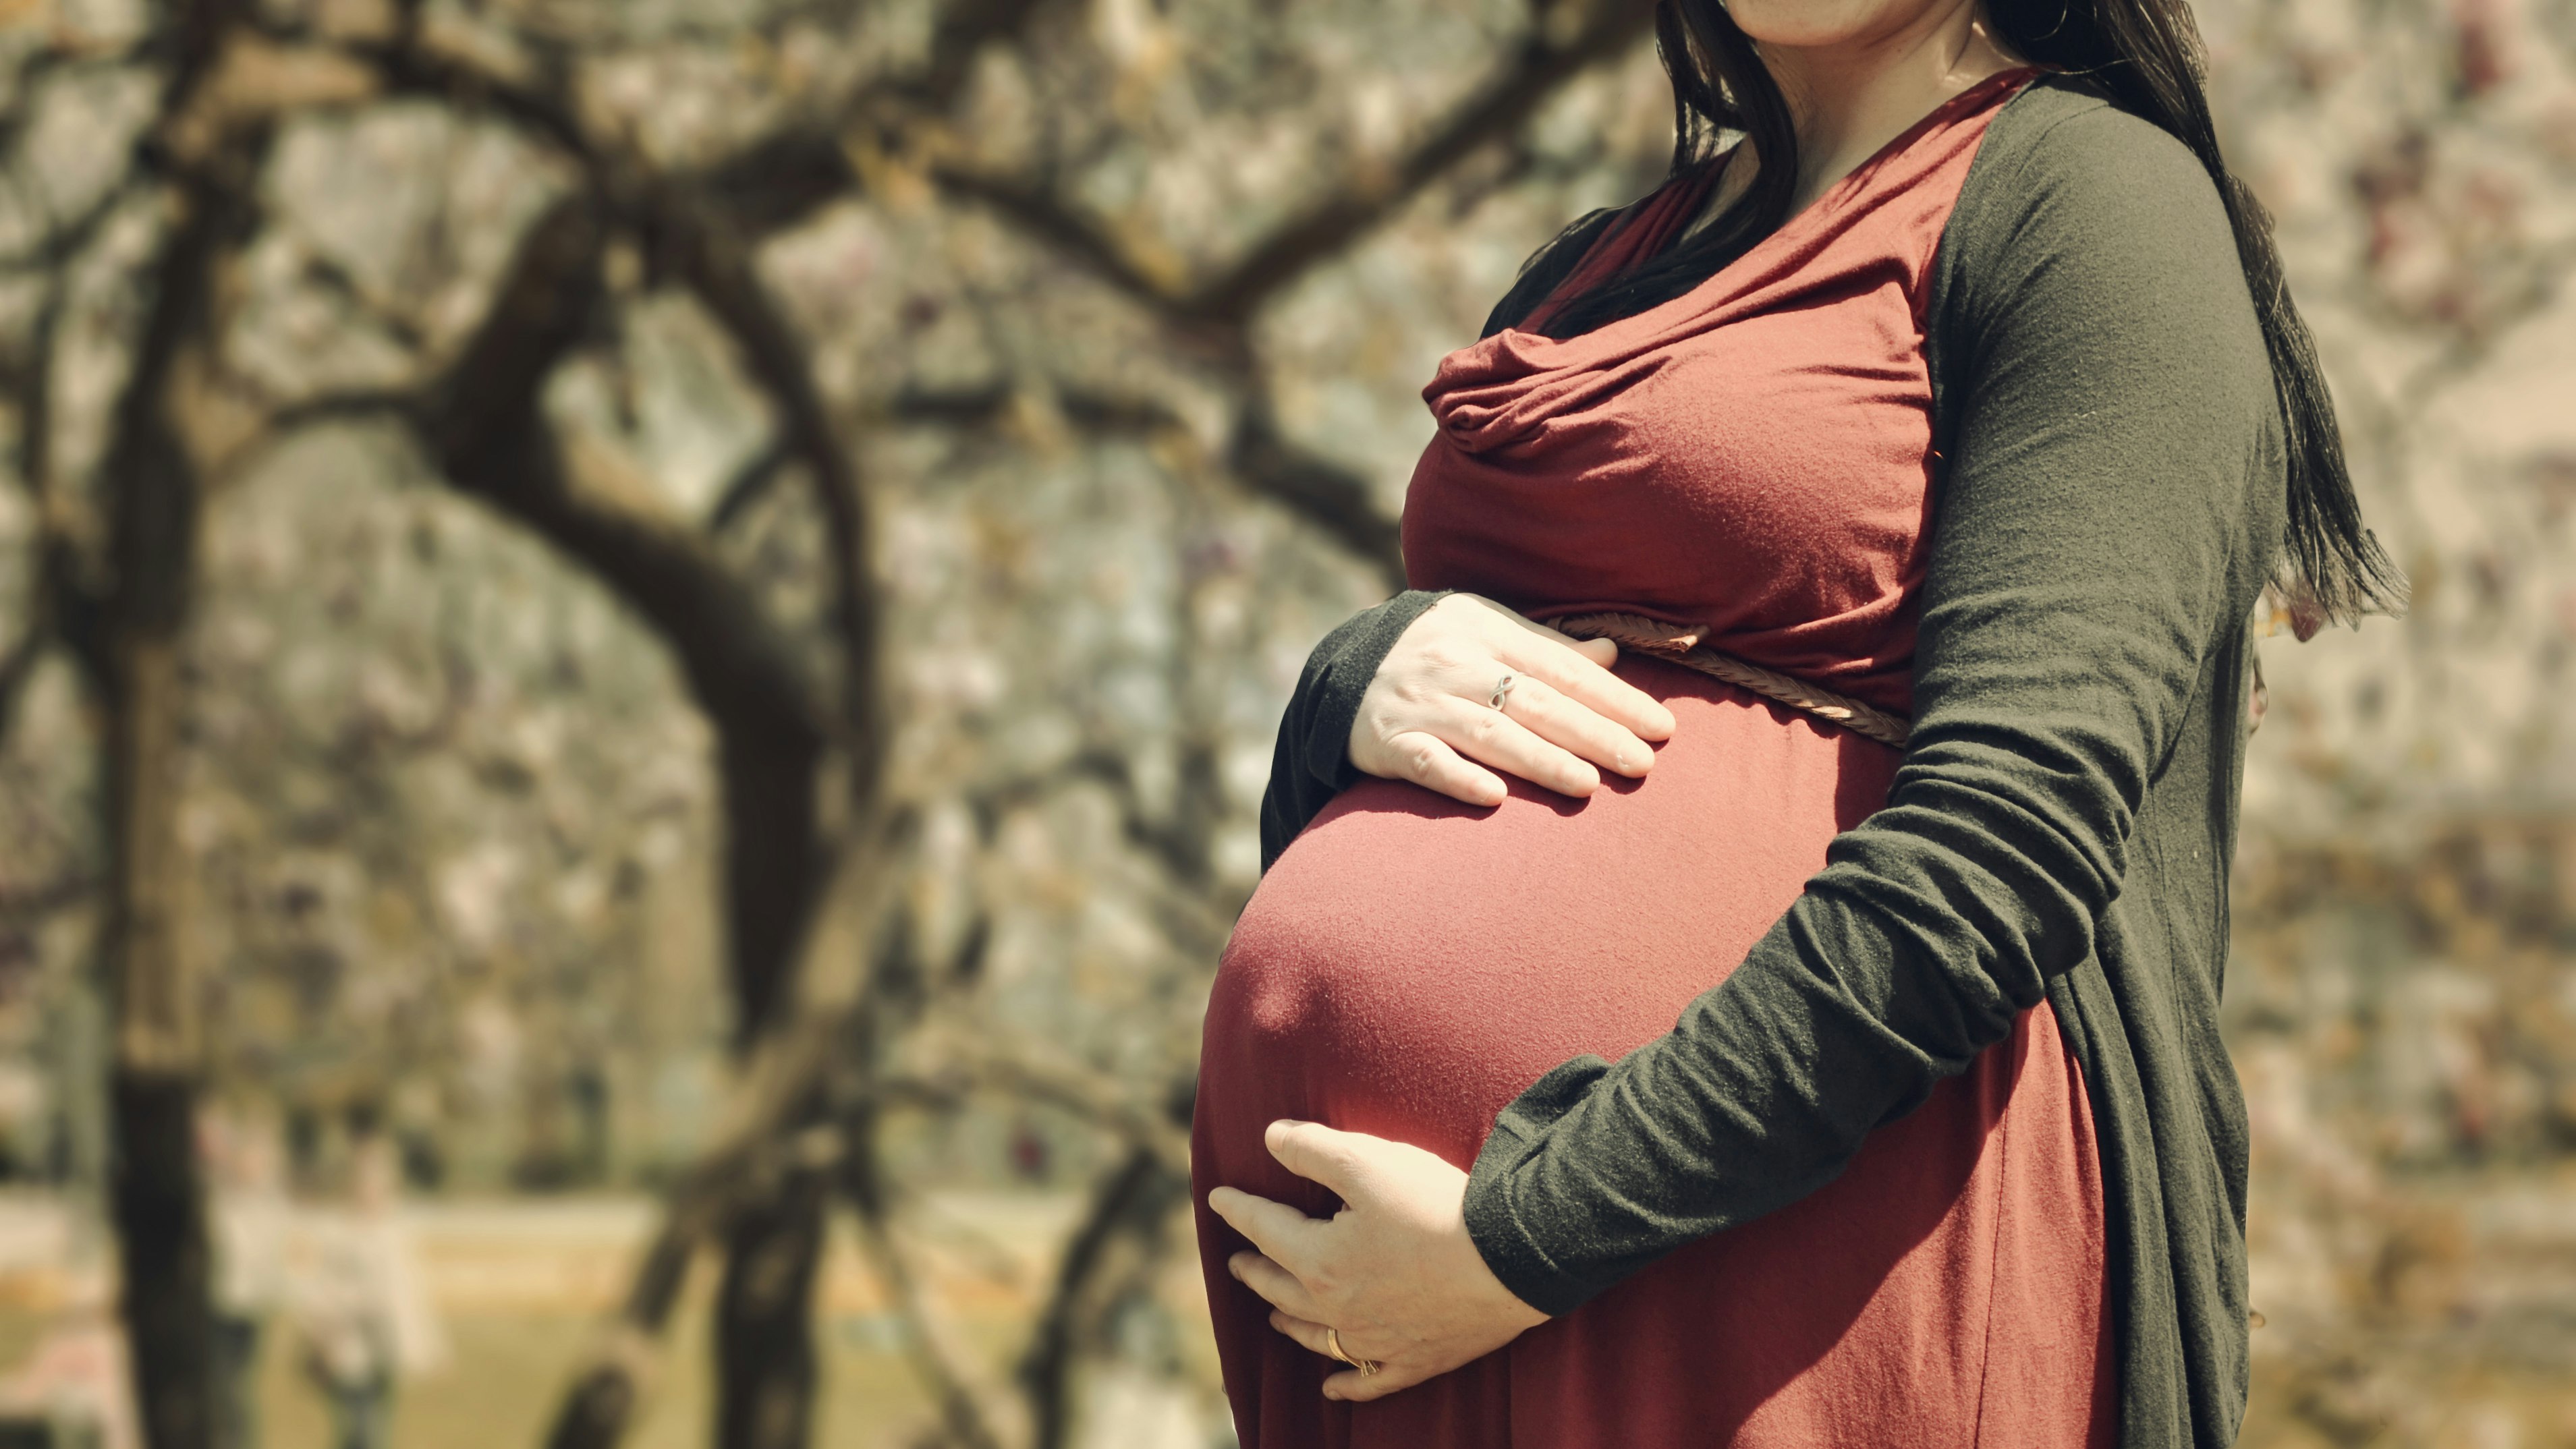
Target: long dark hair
point(2146, 57)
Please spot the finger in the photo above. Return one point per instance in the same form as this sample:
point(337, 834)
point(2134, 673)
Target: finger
point(1492, 737)
point(1308, 1334)
point(1355, 1386)
point(1575, 727)
point(1427, 760)
point(1319, 1153)
point(1352, 1386)
point(1576, 666)
point(1283, 1234)
point(1277, 1286)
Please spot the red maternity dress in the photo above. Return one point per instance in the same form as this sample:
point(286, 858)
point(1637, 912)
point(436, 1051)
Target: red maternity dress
point(1753, 456)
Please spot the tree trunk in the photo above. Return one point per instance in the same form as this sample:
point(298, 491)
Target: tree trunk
point(152, 478)
point(491, 441)
point(764, 1336)
point(159, 1211)
point(773, 869)
point(775, 858)
point(595, 1413)
point(155, 1198)
point(764, 1324)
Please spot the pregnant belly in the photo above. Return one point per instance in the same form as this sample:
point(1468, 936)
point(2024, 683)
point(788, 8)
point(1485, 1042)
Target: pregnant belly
point(1410, 963)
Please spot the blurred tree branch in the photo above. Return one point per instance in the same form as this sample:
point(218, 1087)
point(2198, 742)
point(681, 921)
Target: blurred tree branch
point(1219, 306)
point(1551, 54)
point(62, 602)
point(30, 383)
point(1260, 456)
point(1133, 1200)
point(23, 904)
point(18, 666)
point(778, 181)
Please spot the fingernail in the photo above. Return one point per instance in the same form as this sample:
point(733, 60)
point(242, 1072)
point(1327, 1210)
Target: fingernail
point(1331, 1394)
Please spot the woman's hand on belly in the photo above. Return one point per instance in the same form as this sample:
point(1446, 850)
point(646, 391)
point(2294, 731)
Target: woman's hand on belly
point(1394, 1272)
point(1428, 714)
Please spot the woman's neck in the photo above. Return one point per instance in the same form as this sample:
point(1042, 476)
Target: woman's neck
point(1851, 97)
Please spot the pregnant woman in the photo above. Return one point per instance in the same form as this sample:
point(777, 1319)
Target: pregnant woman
point(1841, 1067)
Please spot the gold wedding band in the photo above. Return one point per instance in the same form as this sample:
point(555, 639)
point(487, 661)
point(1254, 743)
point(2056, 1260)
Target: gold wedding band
point(1333, 1346)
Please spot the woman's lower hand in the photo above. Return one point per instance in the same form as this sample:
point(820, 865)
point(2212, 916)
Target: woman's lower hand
point(1393, 1274)
point(1428, 715)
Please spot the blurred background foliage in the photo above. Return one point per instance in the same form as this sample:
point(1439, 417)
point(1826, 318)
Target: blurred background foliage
point(669, 615)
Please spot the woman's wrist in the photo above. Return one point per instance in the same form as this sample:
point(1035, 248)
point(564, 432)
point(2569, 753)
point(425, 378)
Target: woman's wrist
point(1351, 656)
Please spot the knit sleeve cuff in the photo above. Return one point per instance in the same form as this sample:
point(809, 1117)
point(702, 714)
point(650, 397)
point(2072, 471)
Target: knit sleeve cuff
point(1312, 760)
point(1350, 656)
point(1511, 1228)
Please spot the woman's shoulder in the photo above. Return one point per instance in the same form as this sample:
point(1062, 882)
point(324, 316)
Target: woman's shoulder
point(2075, 201)
point(2086, 237)
point(2063, 151)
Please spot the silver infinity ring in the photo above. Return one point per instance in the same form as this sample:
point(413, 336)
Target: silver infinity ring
point(1502, 687)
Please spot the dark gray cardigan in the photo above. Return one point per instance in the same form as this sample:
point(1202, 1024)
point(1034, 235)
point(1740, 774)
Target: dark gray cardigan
point(2109, 509)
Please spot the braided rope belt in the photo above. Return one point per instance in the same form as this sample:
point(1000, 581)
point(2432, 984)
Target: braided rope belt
point(1679, 644)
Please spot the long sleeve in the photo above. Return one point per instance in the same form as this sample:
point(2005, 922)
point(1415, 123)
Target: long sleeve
point(2099, 534)
point(1311, 763)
